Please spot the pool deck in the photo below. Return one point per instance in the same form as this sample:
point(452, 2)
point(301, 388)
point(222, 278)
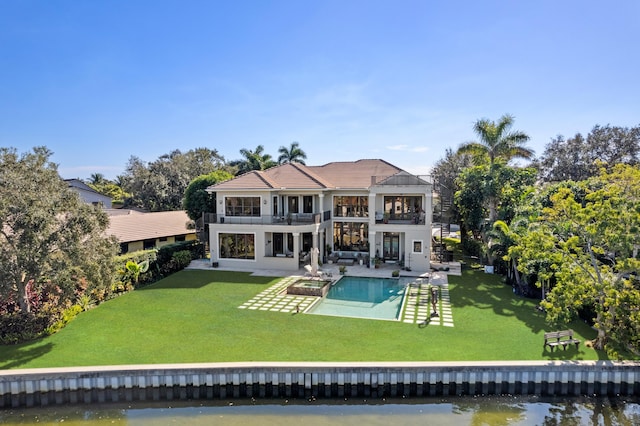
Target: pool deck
point(384, 271)
point(416, 308)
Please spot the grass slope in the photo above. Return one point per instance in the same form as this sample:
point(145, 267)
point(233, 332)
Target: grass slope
point(193, 316)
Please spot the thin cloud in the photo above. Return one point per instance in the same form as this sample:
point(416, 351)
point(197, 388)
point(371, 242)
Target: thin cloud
point(407, 148)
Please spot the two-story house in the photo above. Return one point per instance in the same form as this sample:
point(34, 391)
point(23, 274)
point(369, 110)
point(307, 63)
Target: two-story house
point(273, 218)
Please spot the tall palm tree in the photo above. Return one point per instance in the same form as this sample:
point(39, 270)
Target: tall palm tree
point(500, 144)
point(292, 154)
point(497, 141)
point(254, 160)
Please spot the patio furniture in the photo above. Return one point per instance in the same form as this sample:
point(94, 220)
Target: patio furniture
point(313, 274)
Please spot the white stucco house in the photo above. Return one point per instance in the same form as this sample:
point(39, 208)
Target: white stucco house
point(88, 194)
point(367, 208)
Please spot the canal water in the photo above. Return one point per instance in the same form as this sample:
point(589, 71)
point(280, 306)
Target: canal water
point(476, 411)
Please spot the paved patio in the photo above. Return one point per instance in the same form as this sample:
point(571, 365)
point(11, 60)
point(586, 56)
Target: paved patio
point(417, 307)
point(384, 271)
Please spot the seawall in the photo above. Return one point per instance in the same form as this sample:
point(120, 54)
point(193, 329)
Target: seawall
point(51, 386)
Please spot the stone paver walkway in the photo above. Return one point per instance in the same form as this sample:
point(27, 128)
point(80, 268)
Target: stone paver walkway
point(419, 306)
point(275, 299)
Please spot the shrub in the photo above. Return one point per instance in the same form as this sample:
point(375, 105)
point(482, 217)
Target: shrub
point(179, 260)
point(21, 326)
point(150, 275)
point(165, 253)
point(65, 318)
point(182, 259)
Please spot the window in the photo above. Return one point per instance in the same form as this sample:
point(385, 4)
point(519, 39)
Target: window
point(149, 244)
point(351, 236)
point(293, 204)
point(307, 204)
point(403, 207)
point(351, 206)
point(417, 246)
point(282, 243)
point(180, 238)
point(237, 246)
point(242, 206)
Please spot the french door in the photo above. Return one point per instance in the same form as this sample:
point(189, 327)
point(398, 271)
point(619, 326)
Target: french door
point(391, 246)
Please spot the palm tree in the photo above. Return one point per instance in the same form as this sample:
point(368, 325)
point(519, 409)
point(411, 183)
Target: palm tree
point(500, 144)
point(502, 237)
point(292, 154)
point(254, 160)
point(96, 179)
point(497, 141)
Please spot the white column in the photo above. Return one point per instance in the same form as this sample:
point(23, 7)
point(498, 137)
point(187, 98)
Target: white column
point(296, 246)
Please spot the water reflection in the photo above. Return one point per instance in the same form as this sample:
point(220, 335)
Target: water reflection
point(476, 411)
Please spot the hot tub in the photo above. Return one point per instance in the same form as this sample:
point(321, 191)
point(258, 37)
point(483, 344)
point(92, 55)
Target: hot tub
point(307, 287)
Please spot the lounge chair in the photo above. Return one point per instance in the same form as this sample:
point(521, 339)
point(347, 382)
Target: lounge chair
point(310, 273)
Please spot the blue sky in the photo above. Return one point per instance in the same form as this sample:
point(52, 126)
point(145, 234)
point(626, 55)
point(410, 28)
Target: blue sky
point(99, 81)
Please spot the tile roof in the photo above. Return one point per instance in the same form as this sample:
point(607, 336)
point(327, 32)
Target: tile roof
point(138, 226)
point(344, 174)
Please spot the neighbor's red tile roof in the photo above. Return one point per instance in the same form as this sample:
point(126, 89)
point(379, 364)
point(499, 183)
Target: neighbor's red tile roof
point(345, 174)
point(136, 226)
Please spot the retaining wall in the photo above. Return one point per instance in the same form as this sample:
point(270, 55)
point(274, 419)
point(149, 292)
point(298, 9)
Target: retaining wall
point(36, 387)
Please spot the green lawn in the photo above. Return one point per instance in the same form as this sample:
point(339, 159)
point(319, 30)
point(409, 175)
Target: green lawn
point(193, 316)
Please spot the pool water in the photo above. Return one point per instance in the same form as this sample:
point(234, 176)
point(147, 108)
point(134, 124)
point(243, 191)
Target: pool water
point(362, 297)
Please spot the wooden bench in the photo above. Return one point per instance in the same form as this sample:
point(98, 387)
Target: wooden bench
point(562, 338)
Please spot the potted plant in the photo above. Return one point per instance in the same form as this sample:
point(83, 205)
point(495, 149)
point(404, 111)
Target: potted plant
point(342, 269)
point(385, 217)
point(289, 218)
point(395, 273)
point(377, 261)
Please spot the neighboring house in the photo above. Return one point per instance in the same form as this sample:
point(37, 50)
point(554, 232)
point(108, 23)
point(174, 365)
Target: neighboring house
point(88, 194)
point(141, 231)
point(274, 218)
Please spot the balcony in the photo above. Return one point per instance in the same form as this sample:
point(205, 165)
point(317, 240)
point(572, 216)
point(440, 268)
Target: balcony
point(291, 220)
point(401, 219)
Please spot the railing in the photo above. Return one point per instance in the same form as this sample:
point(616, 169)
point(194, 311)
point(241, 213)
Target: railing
point(305, 219)
point(402, 219)
point(292, 219)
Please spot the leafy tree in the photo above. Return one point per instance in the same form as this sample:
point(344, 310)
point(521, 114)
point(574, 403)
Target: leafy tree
point(470, 200)
point(161, 184)
point(49, 239)
point(445, 175)
point(580, 158)
point(253, 160)
point(108, 188)
point(292, 154)
point(589, 248)
point(488, 193)
point(197, 200)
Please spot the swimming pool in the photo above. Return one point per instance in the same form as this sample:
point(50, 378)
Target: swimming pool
point(362, 297)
